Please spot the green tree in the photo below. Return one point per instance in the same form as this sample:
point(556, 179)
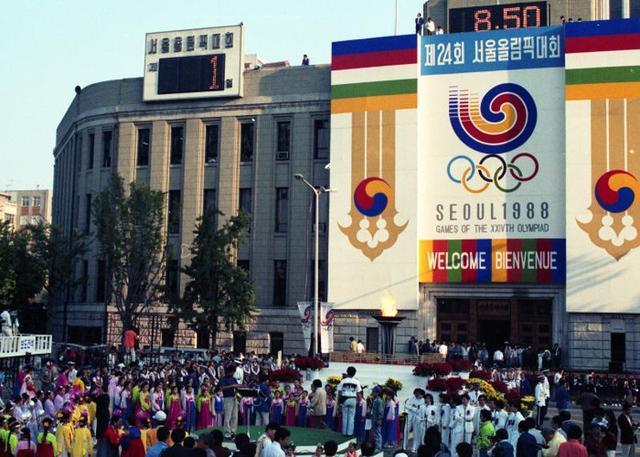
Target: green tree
point(218, 292)
point(130, 233)
point(7, 270)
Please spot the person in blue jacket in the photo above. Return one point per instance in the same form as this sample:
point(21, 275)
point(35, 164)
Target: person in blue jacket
point(563, 399)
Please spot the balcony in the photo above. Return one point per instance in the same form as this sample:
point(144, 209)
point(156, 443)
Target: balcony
point(21, 345)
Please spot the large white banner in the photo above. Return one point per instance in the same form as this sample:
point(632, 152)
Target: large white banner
point(373, 214)
point(491, 151)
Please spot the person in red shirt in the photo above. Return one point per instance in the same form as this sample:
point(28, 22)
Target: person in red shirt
point(109, 445)
point(573, 447)
point(129, 342)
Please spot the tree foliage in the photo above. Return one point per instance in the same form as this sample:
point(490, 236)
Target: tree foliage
point(219, 292)
point(36, 258)
point(130, 233)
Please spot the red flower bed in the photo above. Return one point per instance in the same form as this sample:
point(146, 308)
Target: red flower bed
point(480, 374)
point(285, 375)
point(432, 369)
point(449, 385)
point(512, 396)
point(309, 363)
point(500, 386)
point(461, 365)
point(437, 384)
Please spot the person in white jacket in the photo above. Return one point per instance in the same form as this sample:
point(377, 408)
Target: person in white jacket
point(417, 416)
point(433, 418)
point(499, 416)
point(469, 414)
point(513, 420)
point(540, 395)
point(445, 420)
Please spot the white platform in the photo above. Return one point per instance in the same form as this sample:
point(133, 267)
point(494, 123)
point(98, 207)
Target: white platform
point(19, 346)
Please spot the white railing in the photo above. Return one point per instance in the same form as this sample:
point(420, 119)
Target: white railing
point(21, 345)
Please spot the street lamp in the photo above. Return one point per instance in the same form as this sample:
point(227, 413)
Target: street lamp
point(317, 191)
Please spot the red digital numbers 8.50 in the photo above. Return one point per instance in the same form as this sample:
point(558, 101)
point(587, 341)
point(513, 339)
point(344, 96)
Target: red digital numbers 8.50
point(507, 17)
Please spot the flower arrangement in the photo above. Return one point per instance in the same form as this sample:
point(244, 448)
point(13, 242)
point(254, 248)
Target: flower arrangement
point(437, 384)
point(500, 386)
point(449, 385)
point(432, 369)
point(480, 374)
point(487, 389)
point(526, 405)
point(393, 384)
point(333, 381)
point(512, 396)
point(308, 363)
point(461, 365)
point(285, 375)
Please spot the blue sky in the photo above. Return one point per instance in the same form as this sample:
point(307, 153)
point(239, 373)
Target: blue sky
point(49, 46)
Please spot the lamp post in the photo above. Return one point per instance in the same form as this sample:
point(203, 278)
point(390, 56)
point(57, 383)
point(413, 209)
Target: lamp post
point(317, 191)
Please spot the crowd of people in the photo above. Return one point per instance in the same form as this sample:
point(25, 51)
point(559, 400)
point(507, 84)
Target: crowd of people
point(140, 408)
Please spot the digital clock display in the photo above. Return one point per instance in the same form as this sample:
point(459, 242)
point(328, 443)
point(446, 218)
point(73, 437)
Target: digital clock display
point(191, 74)
point(498, 17)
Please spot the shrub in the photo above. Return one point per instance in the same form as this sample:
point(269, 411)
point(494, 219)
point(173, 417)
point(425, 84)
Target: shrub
point(455, 384)
point(500, 386)
point(437, 384)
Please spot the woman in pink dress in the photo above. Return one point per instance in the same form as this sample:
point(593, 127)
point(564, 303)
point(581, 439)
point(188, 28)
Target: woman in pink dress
point(205, 408)
point(175, 409)
point(290, 408)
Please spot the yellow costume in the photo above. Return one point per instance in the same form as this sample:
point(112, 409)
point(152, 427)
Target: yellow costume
point(64, 439)
point(82, 443)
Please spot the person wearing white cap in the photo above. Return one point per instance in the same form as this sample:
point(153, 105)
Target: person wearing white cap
point(159, 418)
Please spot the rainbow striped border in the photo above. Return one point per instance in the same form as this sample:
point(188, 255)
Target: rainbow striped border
point(602, 59)
point(491, 249)
point(374, 74)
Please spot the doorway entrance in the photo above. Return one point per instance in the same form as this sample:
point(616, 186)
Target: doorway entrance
point(520, 321)
point(494, 333)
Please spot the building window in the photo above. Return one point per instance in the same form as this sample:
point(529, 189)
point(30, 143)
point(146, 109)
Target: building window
point(174, 212)
point(84, 283)
point(101, 281)
point(209, 201)
point(143, 147)
point(107, 146)
point(239, 342)
point(321, 139)
point(87, 215)
point(212, 137)
point(173, 272)
point(279, 282)
point(282, 209)
point(276, 342)
point(245, 200)
point(246, 142)
point(92, 146)
point(26, 201)
point(177, 145)
point(37, 201)
point(284, 140)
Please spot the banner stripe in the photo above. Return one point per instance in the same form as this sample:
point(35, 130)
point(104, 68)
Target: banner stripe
point(392, 43)
point(440, 246)
point(454, 275)
point(599, 28)
point(603, 75)
point(374, 59)
point(498, 247)
point(469, 275)
point(373, 89)
point(602, 43)
point(560, 273)
point(485, 246)
point(425, 271)
point(544, 276)
point(358, 75)
point(602, 91)
point(599, 59)
point(383, 102)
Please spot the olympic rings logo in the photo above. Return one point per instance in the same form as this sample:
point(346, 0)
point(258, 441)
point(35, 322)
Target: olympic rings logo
point(492, 168)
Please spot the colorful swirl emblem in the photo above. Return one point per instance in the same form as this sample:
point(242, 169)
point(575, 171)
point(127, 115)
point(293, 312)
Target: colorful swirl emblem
point(616, 190)
point(372, 196)
point(503, 121)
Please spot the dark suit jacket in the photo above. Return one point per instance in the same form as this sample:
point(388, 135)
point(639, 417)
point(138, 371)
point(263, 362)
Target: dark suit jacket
point(626, 430)
point(527, 445)
point(177, 450)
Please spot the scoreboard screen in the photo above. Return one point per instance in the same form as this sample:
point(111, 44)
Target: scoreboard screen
point(201, 73)
point(498, 17)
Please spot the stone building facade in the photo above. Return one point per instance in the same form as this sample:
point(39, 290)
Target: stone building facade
point(231, 153)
